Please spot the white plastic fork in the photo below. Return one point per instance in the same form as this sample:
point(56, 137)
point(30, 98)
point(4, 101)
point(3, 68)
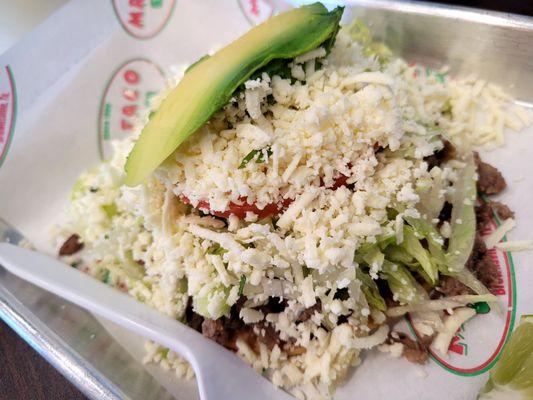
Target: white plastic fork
point(220, 374)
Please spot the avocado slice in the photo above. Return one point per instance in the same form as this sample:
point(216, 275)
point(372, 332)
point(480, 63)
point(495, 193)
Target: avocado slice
point(210, 83)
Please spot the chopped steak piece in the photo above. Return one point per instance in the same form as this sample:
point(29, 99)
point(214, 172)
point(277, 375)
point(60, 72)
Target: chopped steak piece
point(214, 329)
point(485, 209)
point(274, 305)
point(72, 245)
point(247, 335)
point(446, 213)
point(486, 271)
point(481, 264)
point(478, 251)
point(295, 350)
point(193, 319)
point(342, 294)
point(452, 287)
point(267, 334)
point(490, 180)
point(414, 351)
point(483, 215)
point(236, 309)
point(415, 355)
point(309, 312)
point(426, 340)
point(343, 319)
point(502, 211)
point(445, 154)
point(227, 330)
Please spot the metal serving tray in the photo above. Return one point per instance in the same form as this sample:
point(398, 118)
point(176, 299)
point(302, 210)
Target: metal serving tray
point(498, 46)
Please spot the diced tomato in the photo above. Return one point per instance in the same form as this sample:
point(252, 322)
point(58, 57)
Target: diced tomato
point(240, 210)
point(338, 182)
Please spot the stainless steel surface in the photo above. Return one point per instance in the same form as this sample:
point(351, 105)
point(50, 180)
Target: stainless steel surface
point(497, 46)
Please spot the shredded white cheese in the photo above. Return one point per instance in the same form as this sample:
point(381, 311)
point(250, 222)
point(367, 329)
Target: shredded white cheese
point(495, 237)
point(515, 245)
point(442, 341)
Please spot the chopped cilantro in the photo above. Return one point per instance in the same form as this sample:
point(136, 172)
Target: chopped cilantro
point(447, 109)
point(105, 277)
point(217, 250)
point(248, 157)
point(110, 210)
point(251, 155)
point(260, 158)
point(241, 285)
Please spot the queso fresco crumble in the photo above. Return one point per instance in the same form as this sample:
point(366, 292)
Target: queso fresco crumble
point(315, 208)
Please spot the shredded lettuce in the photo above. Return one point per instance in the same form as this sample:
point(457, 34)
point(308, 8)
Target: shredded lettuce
point(431, 198)
point(359, 32)
point(397, 254)
point(423, 252)
point(412, 245)
point(383, 241)
point(367, 253)
point(467, 278)
point(374, 256)
point(403, 286)
point(371, 291)
point(434, 239)
point(213, 305)
point(242, 282)
point(463, 220)
point(110, 210)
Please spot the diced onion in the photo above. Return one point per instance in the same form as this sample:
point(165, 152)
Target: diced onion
point(376, 338)
point(515, 245)
point(453, 322)
point(499, 233)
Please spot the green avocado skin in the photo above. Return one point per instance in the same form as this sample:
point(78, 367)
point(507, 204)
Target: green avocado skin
point(210, 83)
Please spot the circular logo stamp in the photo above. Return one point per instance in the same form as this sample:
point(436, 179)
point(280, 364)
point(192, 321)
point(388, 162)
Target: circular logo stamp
point(8, 110)
point(126, 99)
point(143, 19)
point(256, 11)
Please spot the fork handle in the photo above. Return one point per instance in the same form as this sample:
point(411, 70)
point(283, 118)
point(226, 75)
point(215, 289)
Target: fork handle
point(220, 373)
